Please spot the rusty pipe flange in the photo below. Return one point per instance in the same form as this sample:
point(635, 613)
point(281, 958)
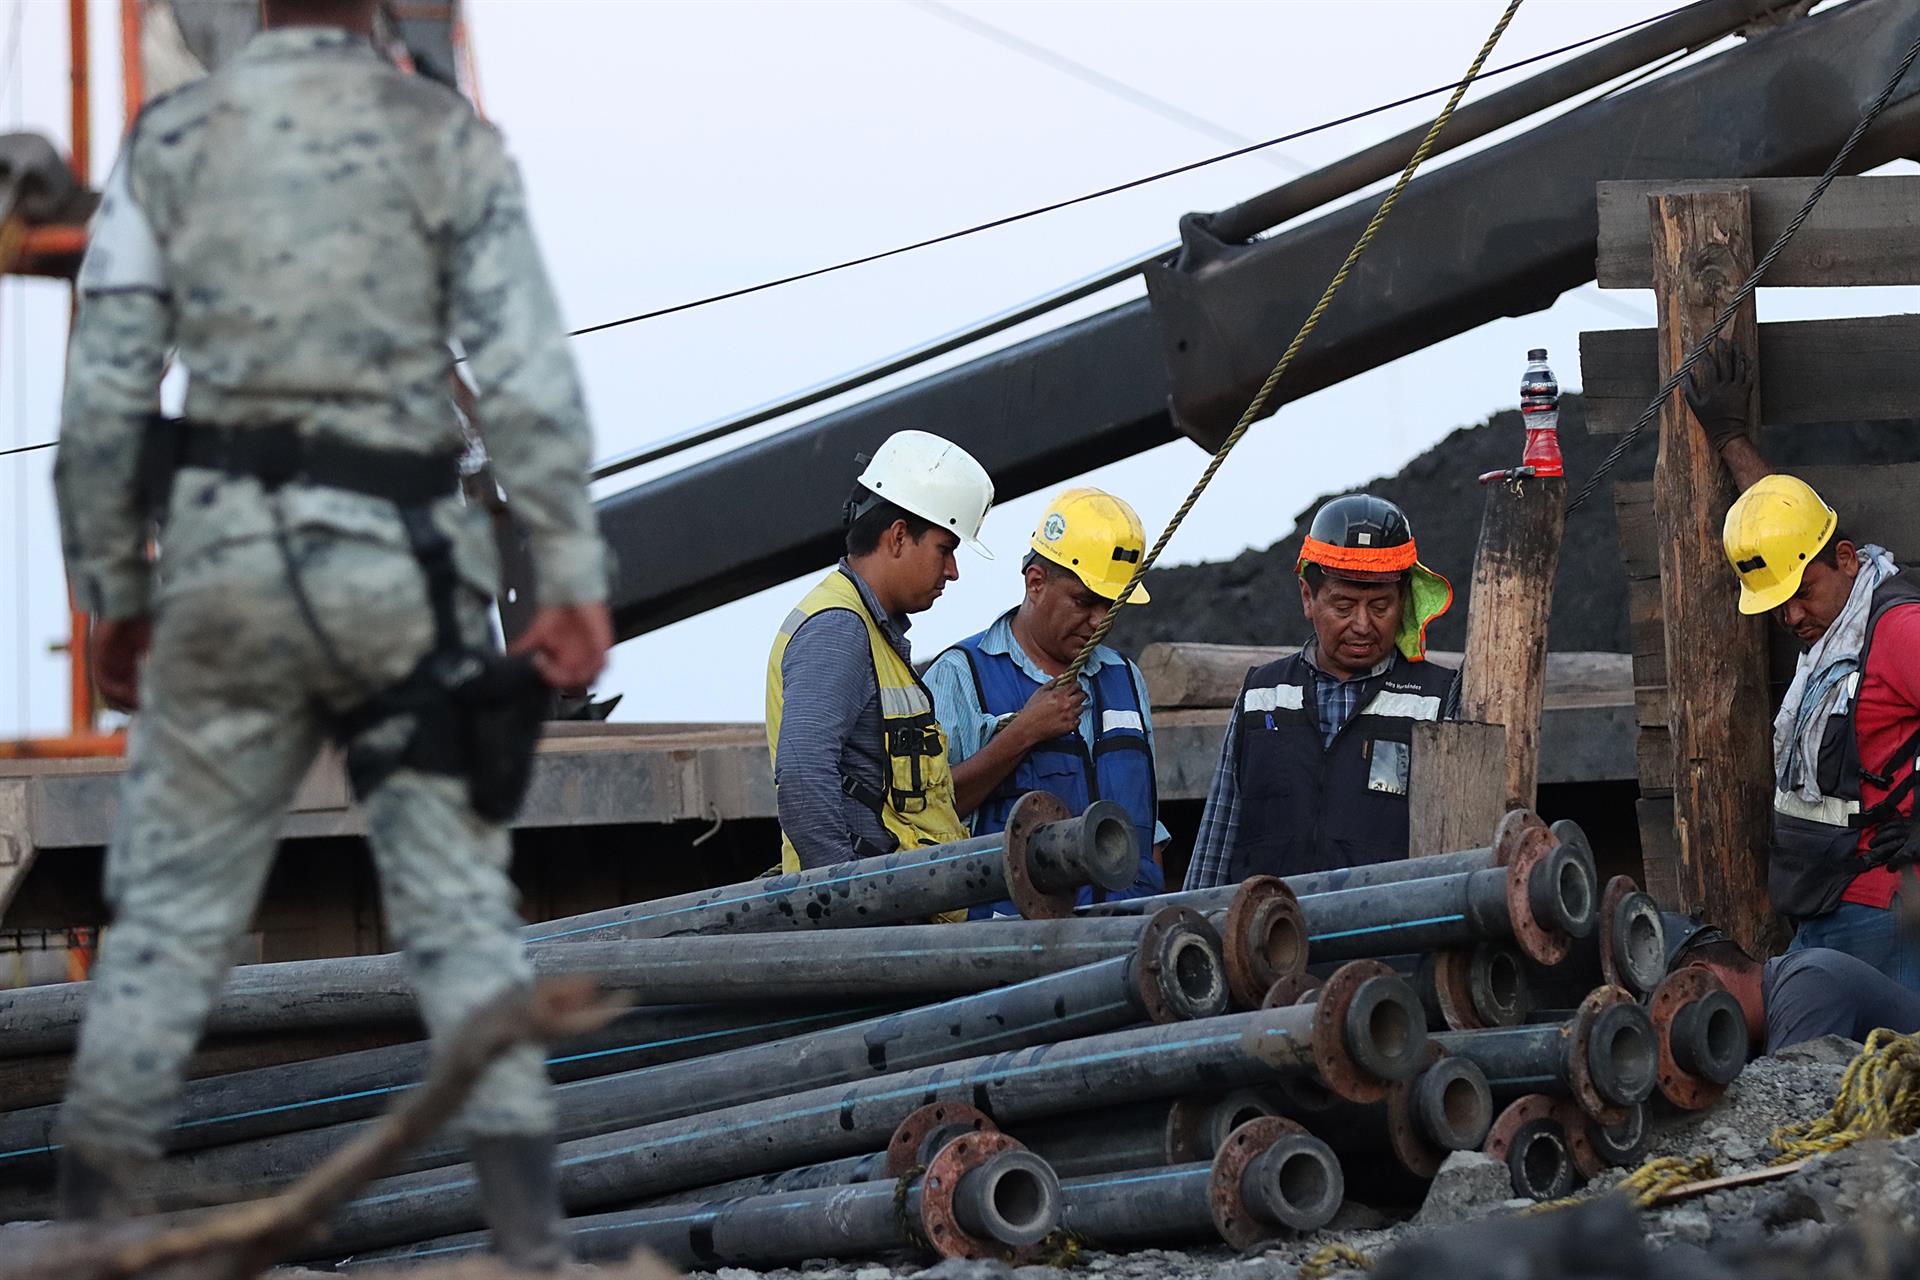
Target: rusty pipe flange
point(1593, 1031)
point(1530, 846)
point(1515, 829)
point(1393, 1040)
point(1530, 1140)
point(1265, 937)
point(1681, 990)
point(1633, 945)
point(938, 1186)
point(1570, 833)
point(1198, 1126)
point(1034, 810)
point(1232, 1217)
point(1579, 1127)
point(1291, 989)
point(1178, 971)
point(1453, 989)
point(1623, 1145)
point(927, 1129)
point(1409, 1146)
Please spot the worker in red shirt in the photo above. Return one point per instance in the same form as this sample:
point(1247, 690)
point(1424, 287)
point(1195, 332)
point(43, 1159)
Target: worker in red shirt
point(1846, 735)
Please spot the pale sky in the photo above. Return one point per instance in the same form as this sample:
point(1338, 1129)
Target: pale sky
point(676, 150)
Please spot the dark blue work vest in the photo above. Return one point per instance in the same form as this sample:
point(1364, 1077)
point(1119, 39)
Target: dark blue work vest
point(1119, 768)
point(1305, 806)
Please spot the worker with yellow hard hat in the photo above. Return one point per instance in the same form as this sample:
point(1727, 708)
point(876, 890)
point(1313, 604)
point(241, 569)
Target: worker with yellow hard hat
point(1010, 730)
point(1846, 735)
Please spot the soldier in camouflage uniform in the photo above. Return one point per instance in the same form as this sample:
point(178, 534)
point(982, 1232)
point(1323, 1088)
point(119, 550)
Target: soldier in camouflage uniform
point(307, 229)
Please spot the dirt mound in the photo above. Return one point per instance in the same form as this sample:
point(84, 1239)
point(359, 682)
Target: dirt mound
point(1253, 598)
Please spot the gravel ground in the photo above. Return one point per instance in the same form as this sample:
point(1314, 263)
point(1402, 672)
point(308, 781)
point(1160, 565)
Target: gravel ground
point(1796, 1226)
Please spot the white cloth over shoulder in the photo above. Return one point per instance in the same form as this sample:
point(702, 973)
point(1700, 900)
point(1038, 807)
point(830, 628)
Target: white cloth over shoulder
point(1821, 686)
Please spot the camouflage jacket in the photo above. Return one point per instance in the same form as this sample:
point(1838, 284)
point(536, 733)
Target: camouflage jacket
point(306, 230)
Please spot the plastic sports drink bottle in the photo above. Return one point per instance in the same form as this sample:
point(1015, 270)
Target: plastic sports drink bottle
point(1540, 411)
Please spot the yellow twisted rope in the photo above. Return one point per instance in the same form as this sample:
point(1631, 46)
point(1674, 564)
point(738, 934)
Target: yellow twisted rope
point(1420, 153)
point(1328, 1259)
point(1878, 1097)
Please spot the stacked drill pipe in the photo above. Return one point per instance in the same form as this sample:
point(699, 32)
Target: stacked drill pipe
point(981, 1195)
point(1626, 949)
point(1174, 974)
point(1467, 988)
point(1364, 1032)
point(1041, 861)
point(1605, 1056)
point(1401, 1141)
point(1269, 1179)
point(888, 962)
point(1165, 1131)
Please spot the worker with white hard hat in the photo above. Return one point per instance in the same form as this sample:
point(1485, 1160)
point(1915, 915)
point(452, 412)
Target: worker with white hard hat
point(1010, 729)
point(859, 761)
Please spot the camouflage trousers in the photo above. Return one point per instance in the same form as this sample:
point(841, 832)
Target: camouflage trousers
point(234, 701)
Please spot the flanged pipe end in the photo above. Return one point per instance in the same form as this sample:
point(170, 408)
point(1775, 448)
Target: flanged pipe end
point(1265, 936)
point(1529, 1137)
point(1008, 1211)
point(1099, 847)
point(1035, 875)
point(1011, 1198)
point(1570, 833)
point(1368, 1031)
point(1516, 828)
point(1178, 970)
point(1452, 1104)
point(1272, 1176)
point(1709, 1037)
point(1291, 989)
point(1633, 939)
point(1686, 986)
point(926, 1129)
point(1563, 893)
point(1578, 1127)
point(1497, 985)
point(1622, 1145)
point(1197, 1127)
point(1623, 1054)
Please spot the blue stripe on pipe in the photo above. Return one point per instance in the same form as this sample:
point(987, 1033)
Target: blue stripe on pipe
point(1384, 928)
point(770, 893)
point(1202, 1172)
point(401, 1088)
point(1000, 1076)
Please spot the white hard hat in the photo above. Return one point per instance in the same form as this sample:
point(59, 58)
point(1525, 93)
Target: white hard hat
point(936, 480)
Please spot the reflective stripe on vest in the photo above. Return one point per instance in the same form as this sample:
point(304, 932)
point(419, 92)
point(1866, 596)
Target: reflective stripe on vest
point(918, 806)
point(1278, 697)
point(1403, 706)
point(1830, 810)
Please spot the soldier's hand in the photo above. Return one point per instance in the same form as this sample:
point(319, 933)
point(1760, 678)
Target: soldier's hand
point(116, 647)
point(1052, 712)
point(569, 643)
point(1719, 390)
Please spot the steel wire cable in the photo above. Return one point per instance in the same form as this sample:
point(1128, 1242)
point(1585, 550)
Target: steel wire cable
point(1260, 397)
point(1751, 283)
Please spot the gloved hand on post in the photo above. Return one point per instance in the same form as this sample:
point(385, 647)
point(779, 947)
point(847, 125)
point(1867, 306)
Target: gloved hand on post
point(1719, 390)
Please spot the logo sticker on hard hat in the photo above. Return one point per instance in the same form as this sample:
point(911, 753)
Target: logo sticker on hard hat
point(1055, 528)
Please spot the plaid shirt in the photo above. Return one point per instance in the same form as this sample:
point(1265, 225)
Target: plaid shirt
point(1337, 701)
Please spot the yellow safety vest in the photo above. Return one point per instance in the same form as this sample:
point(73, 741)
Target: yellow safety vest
point(918, 804)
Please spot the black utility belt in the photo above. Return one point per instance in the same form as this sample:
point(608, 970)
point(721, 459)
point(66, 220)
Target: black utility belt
point(277, 454)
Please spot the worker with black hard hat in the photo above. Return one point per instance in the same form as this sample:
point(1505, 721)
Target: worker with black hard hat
point(1314, 771)
point(1804, 994)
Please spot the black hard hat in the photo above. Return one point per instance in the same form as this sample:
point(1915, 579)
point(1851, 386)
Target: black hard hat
point(1368, 529)
point(1685, 934)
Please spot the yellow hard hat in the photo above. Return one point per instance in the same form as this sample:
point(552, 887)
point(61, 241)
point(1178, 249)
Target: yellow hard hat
point(1772, 530)
point(1097, 536)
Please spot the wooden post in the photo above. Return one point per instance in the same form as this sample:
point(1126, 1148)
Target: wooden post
point(1503, 679)
point(1457, 792)
point(1716, 658)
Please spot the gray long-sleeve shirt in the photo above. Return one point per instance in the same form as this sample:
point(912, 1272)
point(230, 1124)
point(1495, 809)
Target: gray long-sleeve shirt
point(830, 728)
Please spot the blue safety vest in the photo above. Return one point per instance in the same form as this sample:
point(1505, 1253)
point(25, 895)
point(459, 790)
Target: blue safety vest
point(1118, 768)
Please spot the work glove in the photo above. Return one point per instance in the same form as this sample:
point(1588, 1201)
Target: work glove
point(1719, 390)
point(1894, 844)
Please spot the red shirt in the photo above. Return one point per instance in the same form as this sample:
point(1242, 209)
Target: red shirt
point(1887, 714)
